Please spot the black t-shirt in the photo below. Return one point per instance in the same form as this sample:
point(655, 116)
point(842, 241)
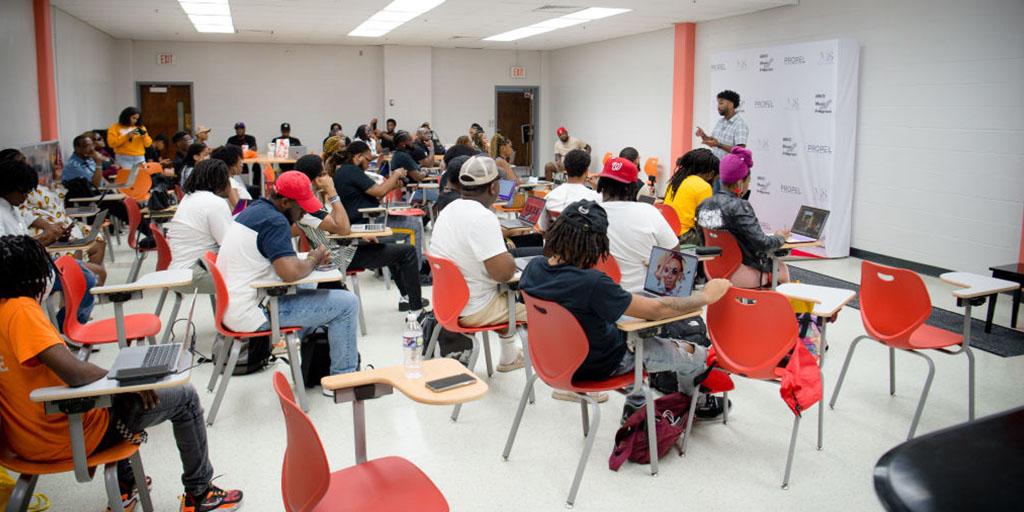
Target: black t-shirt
point(352, 183)
point(386, 143)
point(401, 159)
point(179, 161)
point(152, 155)
point(292, 141)
point(244, 140)
point(596, 302)
point(419, 151)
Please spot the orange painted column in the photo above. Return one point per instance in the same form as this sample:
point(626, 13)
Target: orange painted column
point(682, 90)
point(44, 70)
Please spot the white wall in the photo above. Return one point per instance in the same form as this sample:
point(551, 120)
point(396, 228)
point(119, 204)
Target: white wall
point(19, 108)
point(86, 71)
point(940, 149)
point(613, 94)
point(407, 97)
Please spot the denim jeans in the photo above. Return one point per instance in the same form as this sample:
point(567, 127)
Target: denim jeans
point(127, 162)
point(180, 405)
point(338, 310)
point(664, 355)
point(88, 300)
point(416, 225)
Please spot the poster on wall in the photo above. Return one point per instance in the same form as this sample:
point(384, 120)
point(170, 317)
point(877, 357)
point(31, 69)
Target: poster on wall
point(45, 158)
point(800, 103)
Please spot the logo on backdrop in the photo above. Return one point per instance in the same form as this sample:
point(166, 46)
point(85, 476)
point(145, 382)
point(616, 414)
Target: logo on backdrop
point(762, 185)
point(765, 63)
point(822, 104)
point(764, 104)
point(720, 66)
point(819, 149)
point(820, 195)
point(790, 189)
point(741, 64)
point(826, 57)
point(792, 103)
point(763, 144)
point(795, 60)
point(788, 146)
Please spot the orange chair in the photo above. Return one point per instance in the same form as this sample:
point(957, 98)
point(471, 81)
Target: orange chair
point(137, 326)
point(610, 266)
point(729, 260)
point(269, 177)
point(558, 346)
point(138, 188)
point(670, 216)
point(134, 221)
point(894, 305)
point(751, 332)
point(388, 484)
point(450, 296)
point(607, 156)
point(651, 167)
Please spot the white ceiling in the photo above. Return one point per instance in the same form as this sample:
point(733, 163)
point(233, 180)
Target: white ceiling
point(455, 23)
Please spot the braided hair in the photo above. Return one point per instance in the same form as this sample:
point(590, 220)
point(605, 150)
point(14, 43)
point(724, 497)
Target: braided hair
point(574, 244)
point(26, 269)
point(695, 162)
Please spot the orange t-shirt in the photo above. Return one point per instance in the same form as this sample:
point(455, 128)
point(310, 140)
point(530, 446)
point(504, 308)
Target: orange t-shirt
point(28, 431)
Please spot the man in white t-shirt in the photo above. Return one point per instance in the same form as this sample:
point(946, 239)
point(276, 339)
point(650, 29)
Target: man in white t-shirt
point(202, 217)
point(563, 146)
point(468, 233)
point(576, 163)
point(633, 227)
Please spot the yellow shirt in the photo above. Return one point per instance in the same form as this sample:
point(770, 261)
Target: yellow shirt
point(685, 199)
point(124, 141)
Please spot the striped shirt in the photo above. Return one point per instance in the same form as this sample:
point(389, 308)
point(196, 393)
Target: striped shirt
point(729, 132)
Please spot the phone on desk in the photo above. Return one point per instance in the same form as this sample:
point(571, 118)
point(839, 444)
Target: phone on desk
point(452, 382)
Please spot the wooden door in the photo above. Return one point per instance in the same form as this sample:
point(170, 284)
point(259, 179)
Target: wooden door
point(515, 121)
point(166, 110)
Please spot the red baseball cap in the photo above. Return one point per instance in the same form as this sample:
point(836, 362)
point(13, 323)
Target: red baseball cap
point(561, 130)
point(620, 169)
point(296, 185)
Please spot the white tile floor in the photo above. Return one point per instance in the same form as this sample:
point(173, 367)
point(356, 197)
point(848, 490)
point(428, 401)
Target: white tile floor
point(729, 467)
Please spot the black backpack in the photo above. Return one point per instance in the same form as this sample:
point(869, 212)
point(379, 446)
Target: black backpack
point(316, 357)
point(253, 357)
point(691, 329)
point(453, 345)
point(159, 197)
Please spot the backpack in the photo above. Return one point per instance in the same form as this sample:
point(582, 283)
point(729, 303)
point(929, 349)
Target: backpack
point(159, 197)
point(316, 357)
point(691, 329)
point(253, 356)
point(670, 417)
point(454, 345)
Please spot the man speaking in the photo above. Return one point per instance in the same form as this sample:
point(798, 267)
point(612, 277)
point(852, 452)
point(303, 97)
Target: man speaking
point(731, 130)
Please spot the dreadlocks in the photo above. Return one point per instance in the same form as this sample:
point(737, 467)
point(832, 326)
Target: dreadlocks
point(26, 268)
point(695, 162)
point(575, 244)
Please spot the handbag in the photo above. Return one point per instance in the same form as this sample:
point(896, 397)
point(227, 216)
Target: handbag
point(670, 417)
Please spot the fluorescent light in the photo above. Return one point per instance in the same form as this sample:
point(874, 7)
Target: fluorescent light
point(218, 9)
point(392, 16)
point(576, 18)
point(215, 29)
point(209, 16)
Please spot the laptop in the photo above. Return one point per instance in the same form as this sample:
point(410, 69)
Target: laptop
point(132, 174)
point(94, 231)
point(523, 261)
point(297, 152)
point(670, 273)
point(647, 199)
point(507, 188)
point(809, 224)
point(144, 364)
point(528, 217)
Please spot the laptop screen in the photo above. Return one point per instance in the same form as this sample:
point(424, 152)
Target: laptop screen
point(507, 187)
point(670, 273)
point(810, 222)
point(532, 210)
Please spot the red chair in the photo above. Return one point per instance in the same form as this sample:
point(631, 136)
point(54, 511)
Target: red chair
point(752, 331)
point(670, 216)
point(610, 266)
point(163, 250)
point(388, 484)
point(179, 193)
point(134, 221)
point(450, 296)
point(136, 327)
point(269, 177)
point(731, 258)
point(894, 305)
point(227, 358)
point(558, 346)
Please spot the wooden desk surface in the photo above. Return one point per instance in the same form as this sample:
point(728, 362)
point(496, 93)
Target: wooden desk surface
point(975, 285)
point(171, 278)
point(827, 301)
point(107, 386)
point(637, 324)
point(414, 389)
point(68, 248)
point(316, 277)
point(353, 235)
point(803, 245)
point(425, 186)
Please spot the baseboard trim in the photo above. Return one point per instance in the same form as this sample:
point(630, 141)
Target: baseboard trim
point(920, 268)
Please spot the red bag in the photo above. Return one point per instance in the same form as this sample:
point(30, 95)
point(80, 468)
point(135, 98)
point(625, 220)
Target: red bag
point(670, 417)
point(801, 380)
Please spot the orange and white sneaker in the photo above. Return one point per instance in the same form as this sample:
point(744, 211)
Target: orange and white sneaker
point(215, 499)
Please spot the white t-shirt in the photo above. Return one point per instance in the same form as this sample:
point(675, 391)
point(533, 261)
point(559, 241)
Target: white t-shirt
point(562, 196)
point(12, 220)
point(198, 226)
point(633, 229)
point(243, 193)
point(468, 234)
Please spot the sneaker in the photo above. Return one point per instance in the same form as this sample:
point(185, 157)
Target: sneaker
point(403, 304)
point(711, 408)
point(326, 392)
point(569, 396)
point(129, 500)
point(516, 364)
point(215, 498)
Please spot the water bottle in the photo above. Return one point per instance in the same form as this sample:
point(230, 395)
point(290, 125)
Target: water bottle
point(412, 346)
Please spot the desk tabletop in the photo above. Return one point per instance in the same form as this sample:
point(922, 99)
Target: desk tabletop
point(827, 301)
point(367, 234)
point(414, 389)
point(802, 245)
point(373, 209)
point(67, 248)
point(82, 212)
point(316, 277)
point(268, 160)
point(975, 285)
point(107, 386)
point(93, 199)
point(171, 278)
point(425, 186)
point(629, 324)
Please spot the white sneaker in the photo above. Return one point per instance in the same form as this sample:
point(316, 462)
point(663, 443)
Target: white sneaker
point(569, 396)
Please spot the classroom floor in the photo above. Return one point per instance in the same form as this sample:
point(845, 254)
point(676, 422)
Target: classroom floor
point(737, 466)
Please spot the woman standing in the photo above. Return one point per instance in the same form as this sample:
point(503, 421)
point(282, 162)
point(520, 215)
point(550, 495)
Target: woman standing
point(129, 138)
point(501, 152)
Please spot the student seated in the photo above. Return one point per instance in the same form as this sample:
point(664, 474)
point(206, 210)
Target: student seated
point(258, 247)
point(33, 355)
point(575, 163)
point(575, 243)
point(727, 210)
point(689, 186)
point(468, 233)
point(203, 215)
point(240, 195)
point(450, 189)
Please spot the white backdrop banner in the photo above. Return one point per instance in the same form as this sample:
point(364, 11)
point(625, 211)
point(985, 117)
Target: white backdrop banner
point(800, 102)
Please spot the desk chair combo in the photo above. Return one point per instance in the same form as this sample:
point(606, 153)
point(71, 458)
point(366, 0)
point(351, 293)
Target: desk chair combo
point(134, 221)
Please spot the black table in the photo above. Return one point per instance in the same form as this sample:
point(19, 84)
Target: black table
point(973, 466)
point(1012, 272)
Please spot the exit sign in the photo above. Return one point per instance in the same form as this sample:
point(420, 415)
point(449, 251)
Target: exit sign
point(518, 72)
point(164, 58)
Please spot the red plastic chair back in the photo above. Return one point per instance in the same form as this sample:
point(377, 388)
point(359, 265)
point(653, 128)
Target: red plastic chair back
point(134, 220)
point(269, 177)
point(610, 266)
point(751, 330)
point(179, 193)
point(305, 472)
point(74, 289)
point(220, 292)
point(893, 303)
point(557, 345)
point(450, 292)
point(731, 258)
point(163, 250)
point(670, 216)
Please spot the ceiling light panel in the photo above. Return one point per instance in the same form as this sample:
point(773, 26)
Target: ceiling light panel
point(568, 20)
point(393, 16)
point(209, 16)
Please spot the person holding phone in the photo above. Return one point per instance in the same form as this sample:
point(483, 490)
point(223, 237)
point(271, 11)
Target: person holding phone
point(129, 138)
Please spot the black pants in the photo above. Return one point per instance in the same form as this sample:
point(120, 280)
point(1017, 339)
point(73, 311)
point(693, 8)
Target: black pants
point(400, 260)
point(118, 209)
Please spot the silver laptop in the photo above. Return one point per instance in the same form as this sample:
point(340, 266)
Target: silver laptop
point(647, 199)
point(297, 152)
point(670, 273)
point(132, 174)
point(523, 261)
point(140, 364)
point(94, 231)
point(809, 224)
point(528, 217)
point(373, 227)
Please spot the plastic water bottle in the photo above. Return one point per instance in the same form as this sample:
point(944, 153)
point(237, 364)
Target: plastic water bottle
point(412, 346)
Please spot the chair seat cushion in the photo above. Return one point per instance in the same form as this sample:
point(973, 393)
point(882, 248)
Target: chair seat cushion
point(928, 336)
point(112, 454)
point(388, 484)
point(613, 383)
point(137, 326)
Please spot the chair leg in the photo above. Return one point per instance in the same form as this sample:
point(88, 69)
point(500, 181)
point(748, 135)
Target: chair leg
point(586, 419)
point(140, 476)
point(432, 344)
point(842, 373)
point(892, 371)
point(689, 420)
point(725, 408)
point(821, 410)
point(160, 303)
point(292, 342)
point(472, 366)
point(220, 359)
point(652, 436)
point(970, 383)
point(362, 317)
point(83, 353)
point(487, 355)
point(113, 489)
point(519, 417)
point(527, 363)
point(792, 451)
point(22, 494)
point(588, 446)
point(236, 348)
point(924, 392)
point(133, 274)
point(386, 273)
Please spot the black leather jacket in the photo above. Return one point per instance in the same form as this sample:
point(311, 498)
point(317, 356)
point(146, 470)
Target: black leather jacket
point(725, 211)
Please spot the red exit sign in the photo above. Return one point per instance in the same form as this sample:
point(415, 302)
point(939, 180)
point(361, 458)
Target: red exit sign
point(165, 58)
point(518, 72)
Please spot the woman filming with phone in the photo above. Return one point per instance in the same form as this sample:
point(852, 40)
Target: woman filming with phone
point(129, 138)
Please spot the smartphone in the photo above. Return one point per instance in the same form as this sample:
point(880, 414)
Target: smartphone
point(452, 382)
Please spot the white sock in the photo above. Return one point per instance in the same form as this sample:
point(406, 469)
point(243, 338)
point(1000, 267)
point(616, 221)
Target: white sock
point(509, 350)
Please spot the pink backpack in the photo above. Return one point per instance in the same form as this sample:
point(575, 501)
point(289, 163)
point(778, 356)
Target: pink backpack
point(670, 417)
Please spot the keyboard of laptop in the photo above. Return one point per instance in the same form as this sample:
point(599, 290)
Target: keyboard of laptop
point(158, 361)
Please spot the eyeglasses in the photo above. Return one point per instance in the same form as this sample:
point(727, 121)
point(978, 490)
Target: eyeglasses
point(673, 271)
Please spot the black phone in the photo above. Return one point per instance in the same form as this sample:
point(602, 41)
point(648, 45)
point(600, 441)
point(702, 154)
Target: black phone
point(452, 382)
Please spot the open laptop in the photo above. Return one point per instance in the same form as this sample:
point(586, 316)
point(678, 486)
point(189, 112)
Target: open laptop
point(372, 227)
point(132, 174)
point(809, 224)
point(94, 231)
point(670, 273)
point(523, 261)
point(506, 189)
point(297, 152)
point(528, 217)
point(149, 363)
point(647, 199)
